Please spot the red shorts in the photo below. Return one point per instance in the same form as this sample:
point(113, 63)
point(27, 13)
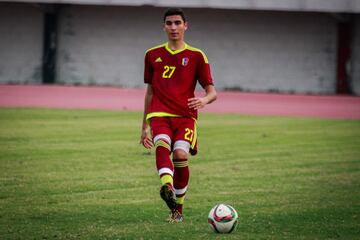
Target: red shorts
point(177, 128)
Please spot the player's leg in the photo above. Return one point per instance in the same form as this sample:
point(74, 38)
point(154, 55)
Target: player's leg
point(162, 142)
point(181, 172)
point(184, 138)
point(181, 178)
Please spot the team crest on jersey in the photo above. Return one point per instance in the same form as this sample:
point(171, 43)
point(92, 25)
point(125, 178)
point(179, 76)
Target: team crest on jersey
point(185, 61)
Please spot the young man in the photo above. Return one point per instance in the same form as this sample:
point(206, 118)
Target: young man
point(171, 72)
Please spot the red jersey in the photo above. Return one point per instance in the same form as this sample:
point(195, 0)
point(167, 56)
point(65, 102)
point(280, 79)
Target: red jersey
point(173, 76)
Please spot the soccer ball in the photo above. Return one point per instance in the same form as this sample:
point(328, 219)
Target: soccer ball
point(223, 218)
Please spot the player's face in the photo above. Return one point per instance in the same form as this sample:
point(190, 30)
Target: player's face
point(175, 27)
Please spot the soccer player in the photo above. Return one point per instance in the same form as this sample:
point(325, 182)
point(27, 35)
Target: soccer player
point(171, 73)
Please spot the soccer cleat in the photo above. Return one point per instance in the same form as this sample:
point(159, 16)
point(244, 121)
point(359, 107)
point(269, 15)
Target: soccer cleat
point(175, 217)
point(167, 193)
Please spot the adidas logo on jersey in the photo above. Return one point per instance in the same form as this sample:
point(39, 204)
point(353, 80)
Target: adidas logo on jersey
point(158, 59)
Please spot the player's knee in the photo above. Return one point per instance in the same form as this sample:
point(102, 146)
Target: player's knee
point(180, 154)
point(162, 140)
point(181, 149)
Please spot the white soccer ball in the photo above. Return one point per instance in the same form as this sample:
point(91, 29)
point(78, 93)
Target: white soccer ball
point(223, 218)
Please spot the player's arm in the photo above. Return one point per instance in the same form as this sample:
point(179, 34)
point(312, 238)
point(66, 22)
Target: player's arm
point(145, 139)
point(205, 79)
point(200, 102)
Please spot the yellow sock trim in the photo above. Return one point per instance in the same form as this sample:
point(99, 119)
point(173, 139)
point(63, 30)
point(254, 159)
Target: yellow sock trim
point(180, 164)
point(180, 200)
point(167, 179)
point(161, 143)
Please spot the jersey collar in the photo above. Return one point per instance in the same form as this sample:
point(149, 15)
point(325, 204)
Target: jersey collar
point(173, 52)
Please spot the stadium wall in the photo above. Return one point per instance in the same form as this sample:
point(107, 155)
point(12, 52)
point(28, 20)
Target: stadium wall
point(21, 31)
point(255, 51)
point(248, 50)
point(354, 66)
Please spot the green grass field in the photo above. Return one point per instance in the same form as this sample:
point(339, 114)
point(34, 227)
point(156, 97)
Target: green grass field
point(81, 174)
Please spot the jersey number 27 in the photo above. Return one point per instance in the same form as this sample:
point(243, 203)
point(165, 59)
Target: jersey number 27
point(168, 71)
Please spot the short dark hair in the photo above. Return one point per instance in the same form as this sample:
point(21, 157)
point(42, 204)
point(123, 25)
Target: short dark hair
point(174, 11)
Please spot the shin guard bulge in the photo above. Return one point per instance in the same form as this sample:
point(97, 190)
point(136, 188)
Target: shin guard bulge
point(181, 180)
point(163, 162)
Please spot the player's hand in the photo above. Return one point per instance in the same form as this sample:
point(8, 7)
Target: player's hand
point(145, 140)
point(196, 103)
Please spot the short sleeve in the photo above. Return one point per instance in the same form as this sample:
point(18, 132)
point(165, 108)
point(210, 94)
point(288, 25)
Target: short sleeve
point(148, 69)
point(204, 73)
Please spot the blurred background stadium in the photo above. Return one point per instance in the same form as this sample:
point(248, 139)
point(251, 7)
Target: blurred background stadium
point(81, 174)
point(292, 46)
